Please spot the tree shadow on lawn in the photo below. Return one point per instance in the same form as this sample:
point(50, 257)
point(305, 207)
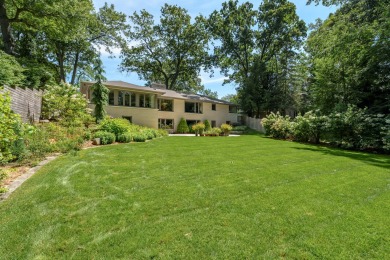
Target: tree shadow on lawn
point(378, 160)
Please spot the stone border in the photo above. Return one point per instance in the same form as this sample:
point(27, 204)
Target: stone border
point(22, 178)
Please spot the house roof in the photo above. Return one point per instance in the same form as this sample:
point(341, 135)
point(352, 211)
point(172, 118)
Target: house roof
point(165, 93)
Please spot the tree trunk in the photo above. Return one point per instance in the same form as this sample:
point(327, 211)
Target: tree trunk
point(61, 61)
point(75, 67)
point(6, 30)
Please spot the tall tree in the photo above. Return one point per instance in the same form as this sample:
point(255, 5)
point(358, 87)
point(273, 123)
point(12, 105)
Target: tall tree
point(349, 55)
point(255, 48)
point(170, 52)
point(99, 93)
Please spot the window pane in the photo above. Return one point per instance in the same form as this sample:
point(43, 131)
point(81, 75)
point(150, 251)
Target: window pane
point(127, 99)
point(120, 98)
point(111, 98)
point(165, 104)
point(213, 107)
point(148, 101)
point(232, 109)
point(132, 97)
point(142, 100)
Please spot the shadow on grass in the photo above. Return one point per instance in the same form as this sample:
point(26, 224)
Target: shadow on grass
point(372, 159)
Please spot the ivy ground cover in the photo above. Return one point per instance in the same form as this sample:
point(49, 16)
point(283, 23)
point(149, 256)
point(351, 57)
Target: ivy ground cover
point(192, 198)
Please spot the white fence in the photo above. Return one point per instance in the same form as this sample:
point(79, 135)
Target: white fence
point(254, 123)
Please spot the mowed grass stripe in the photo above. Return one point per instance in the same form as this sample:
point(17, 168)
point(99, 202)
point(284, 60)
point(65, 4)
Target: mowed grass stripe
point(178, 197)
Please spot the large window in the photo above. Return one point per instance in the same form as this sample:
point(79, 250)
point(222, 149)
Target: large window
point(232, 109)
point(165, 104)
point(146, 100)
point(120, 98)
point(165, 123)
point(193, 107)
point(213, 107)
point(129, 99)
point(111, 98)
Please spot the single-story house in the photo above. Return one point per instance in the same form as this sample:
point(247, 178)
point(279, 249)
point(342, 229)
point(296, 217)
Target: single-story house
point(158, 107)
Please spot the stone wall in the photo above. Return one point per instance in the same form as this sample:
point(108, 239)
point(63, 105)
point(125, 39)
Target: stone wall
point(25, 102)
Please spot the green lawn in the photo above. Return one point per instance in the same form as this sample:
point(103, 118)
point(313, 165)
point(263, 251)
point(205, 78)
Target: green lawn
point(193, 198)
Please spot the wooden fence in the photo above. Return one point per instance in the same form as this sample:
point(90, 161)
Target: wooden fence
point(25, 102)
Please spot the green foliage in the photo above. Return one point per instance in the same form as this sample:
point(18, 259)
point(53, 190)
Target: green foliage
point(161, 133)
point(8, 122)
point(277, 126)
point(3, 176)
point(99, 95)
point(207, 125)
point(198, 128)
point(105, 137)
point(11, 72)
point(215, 131)
point(256, 51)
point(309, 128)
point(226, 128)
point(240, 128)
point(116, 126)
point(349, 57)
point(171, 52)
point(139, 137)
point(65, 104)
point(149, 133)
point(353, 129)
point(125, 138)
point(182, 127)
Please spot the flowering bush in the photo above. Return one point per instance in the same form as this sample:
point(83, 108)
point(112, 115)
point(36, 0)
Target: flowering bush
point(277, 126)
point(64, 103)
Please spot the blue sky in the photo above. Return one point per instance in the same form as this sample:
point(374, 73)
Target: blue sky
point(195, 7)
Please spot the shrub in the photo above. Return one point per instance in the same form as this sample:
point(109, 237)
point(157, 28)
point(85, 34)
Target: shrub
point(65, 104)
point(105, 137)
point(3, 175)
point(226, 128)
point(117, 126)
point(309, 128)
point(215, 131)
point(240, 128)
point(139, 137)
point(8, 122)
point(182, 127)
point(125, 137)
point(149, 133)
point(207, 126)
point(198, 128)
point(161, 133)
point(277, 126)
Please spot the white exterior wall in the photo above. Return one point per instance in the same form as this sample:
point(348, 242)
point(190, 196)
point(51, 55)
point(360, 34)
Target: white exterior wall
point(140, 115)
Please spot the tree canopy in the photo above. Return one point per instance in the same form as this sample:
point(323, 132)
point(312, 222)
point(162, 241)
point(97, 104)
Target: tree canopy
point(170, 52)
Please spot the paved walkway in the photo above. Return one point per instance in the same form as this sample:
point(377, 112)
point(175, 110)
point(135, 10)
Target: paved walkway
point(22, 178)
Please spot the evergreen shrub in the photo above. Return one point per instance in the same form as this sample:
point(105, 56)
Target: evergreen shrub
point(182, 127)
